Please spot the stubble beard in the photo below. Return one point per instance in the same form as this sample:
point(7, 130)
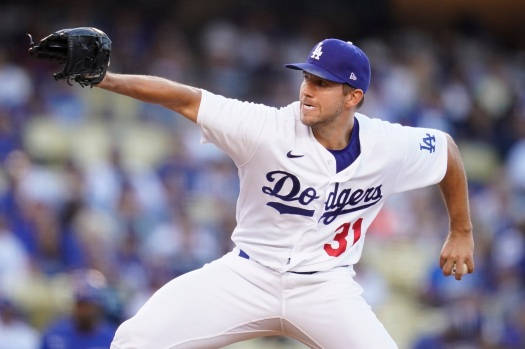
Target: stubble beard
point(320, 120)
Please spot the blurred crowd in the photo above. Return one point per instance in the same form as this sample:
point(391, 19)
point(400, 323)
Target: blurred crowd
point(103, 199)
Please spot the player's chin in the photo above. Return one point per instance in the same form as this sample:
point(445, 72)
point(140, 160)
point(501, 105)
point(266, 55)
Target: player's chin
point(308, 119)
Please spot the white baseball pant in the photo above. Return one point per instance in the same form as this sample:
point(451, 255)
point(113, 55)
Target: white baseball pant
point(234, 299)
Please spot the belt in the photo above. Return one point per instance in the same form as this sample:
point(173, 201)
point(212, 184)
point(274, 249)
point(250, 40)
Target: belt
point(245, 255)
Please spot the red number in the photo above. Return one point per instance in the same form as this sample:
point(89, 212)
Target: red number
point(357, 230)
point(341, 238)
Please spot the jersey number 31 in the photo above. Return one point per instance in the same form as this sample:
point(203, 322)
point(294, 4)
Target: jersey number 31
point(340, 237)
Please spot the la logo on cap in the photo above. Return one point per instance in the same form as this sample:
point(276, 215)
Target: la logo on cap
point(352, 76)
point(316, 54)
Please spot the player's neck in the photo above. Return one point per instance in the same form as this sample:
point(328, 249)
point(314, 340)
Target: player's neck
point(336, 134)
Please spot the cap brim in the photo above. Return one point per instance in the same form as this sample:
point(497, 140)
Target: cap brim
point(315, 70)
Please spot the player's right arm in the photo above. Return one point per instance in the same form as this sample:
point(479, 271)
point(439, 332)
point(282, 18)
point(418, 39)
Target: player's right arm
point(178, 97)
point(223, 121)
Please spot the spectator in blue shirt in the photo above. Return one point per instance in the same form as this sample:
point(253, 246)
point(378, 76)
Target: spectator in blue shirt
point(85, 328)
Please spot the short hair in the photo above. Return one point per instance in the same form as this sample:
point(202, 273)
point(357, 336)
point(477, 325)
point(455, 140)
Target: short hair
point(347, 89)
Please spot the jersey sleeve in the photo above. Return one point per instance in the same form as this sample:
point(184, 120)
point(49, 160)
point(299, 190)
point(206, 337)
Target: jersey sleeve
point(234, 126)
point(419, 157)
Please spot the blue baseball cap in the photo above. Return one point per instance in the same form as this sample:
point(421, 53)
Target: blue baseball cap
point(339, 61)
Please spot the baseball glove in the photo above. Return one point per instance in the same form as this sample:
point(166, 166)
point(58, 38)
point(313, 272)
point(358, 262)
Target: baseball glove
point(84, 52)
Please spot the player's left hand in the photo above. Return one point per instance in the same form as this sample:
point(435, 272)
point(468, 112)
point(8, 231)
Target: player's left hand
point(84, 52)
point(457, 255)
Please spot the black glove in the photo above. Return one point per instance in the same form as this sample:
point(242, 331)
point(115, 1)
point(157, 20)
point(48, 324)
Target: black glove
point(84, 52)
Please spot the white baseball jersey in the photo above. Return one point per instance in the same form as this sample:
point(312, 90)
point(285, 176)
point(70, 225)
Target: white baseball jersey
point(295, 212)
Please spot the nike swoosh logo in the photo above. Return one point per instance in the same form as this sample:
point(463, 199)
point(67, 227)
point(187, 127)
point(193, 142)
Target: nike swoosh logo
point(292, 156)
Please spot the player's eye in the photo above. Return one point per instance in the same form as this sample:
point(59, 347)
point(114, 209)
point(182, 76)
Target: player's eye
point(315, 80)
point(321, 83)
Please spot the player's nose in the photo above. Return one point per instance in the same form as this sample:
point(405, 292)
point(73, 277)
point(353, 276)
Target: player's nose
point(307, 89)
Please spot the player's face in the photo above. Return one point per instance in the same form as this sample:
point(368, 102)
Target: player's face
point(321, 100)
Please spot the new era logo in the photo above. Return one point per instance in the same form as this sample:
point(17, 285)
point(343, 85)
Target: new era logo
point(352, 76)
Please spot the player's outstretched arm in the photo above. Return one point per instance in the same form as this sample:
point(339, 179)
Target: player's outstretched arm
point(85, 52)
point(457, 254)
point(181, 98)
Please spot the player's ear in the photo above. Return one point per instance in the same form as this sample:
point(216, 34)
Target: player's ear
point(352, 96)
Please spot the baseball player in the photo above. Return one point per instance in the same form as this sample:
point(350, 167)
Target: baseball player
point(313, 176)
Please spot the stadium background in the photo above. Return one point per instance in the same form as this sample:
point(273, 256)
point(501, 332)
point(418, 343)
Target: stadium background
point(95, 181)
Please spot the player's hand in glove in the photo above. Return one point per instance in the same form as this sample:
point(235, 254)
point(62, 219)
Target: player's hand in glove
point(84, 51)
